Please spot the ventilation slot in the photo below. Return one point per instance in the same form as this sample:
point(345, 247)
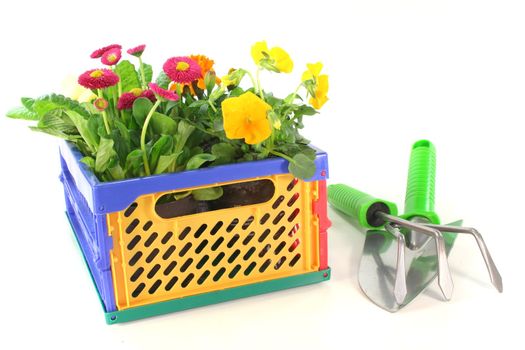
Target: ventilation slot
point(130, 209)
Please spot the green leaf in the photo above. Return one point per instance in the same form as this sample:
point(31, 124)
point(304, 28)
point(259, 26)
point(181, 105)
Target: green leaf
point(184, 156)
point(89, 161)
point(162, 124)
point(148, 73)
point(135, 163)
point(236, 92)
point(93, 124)
point(304, 110)
point(122, 144)
point(116, 172)
point(28, 102)
point(47, 103)
point(181, 195)
point(308, 151)
point(198, 160)
point(208, 194)
point(224, 153)
point(196, 150)
point(129, 79)
point(163, 146)
point(22, 113)
point(104, 156)
point(56, 133)
point(302, 166)
point(59, 121)
point(184, 130)
point(163, 80)
point(291, 98)
point(85, 129)
point(198, 103)
point(141, 108)
point(165, 162)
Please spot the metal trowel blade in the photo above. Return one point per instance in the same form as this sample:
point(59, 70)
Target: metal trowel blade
point(377, 269)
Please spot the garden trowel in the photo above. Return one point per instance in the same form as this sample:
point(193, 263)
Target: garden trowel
point(403, 254)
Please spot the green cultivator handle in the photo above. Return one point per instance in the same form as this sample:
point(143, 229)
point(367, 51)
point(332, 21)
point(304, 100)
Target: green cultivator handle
point(359, 205)
point(419, 199)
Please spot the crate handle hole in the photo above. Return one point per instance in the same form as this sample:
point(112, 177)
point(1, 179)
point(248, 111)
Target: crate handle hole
point(172, 205)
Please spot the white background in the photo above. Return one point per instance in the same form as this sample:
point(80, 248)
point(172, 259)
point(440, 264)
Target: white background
point(400, 70)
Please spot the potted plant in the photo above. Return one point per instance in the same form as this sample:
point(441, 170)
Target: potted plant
point(189, 189)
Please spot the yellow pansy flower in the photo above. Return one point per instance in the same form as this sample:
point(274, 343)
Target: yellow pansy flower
point(319, 99)
point(257, 51)
point(275, 59)
point(314, 69)
point(245, 117)
point(316, 84)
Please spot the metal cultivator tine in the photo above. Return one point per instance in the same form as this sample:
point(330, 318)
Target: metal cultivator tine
point(494, 274)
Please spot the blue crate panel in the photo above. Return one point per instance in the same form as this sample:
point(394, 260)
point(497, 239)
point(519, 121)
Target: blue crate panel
point(108, 197)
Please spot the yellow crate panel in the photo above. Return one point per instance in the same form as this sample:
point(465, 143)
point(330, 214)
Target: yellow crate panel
point(155, 259)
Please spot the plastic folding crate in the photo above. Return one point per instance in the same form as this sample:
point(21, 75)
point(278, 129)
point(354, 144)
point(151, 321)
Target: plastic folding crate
point(144, 264)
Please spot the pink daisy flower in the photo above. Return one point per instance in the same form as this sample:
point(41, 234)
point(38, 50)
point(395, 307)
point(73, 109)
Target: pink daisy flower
point(98, 53)
point(98, 79)
point(126, 99)
point(137, 50)
point(162, 93)
point(111, 57)
point(182, 70)
point(101, 104)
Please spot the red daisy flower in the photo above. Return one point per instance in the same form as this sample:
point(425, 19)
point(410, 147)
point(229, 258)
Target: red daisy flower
point(160, 92)
point(126, 99)
point(98, 79)
point(101, 103)
point(182, 69)
point(149, 94)
point(137, 51)
point(111, 57)
point(98, 53)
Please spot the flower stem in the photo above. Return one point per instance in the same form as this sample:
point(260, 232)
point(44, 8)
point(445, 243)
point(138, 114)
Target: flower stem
point(142, 75)
point(143, 137)
point(212, 106)
point(104, 114)
point(252, 79)
point(259, 88)
point(282, 155)
point(115, 99)
point(296, 92)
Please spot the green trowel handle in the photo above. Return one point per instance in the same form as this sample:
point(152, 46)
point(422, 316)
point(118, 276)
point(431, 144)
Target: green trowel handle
point(359, 205)
point(419, 199)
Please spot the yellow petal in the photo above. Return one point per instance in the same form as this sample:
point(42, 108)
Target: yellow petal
point(257, 51)
point(322, 85)
point(307, 75)
point(315, 68)
point(233, 117)
point(283, 62)
point(246, 117)
point(318, 102)
point(258, 132)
